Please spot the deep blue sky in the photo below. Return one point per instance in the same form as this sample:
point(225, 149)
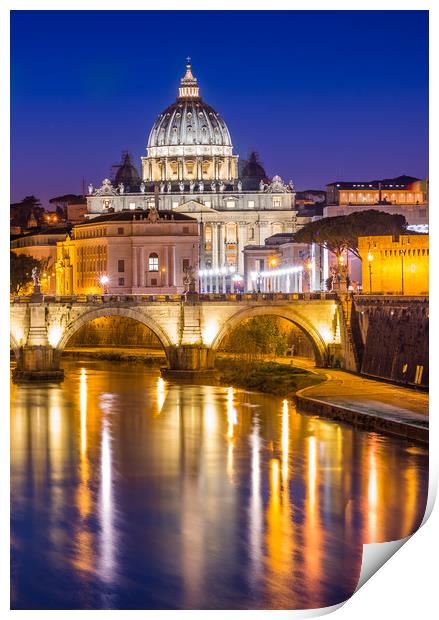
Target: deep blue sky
point(322, 95)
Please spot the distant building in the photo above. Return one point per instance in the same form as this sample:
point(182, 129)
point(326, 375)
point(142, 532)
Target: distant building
point(401, 190)
point(40, 243)
point(131, 252)
point(310, 197)
point(282, 265)
point(75, 213)
point(395, 265)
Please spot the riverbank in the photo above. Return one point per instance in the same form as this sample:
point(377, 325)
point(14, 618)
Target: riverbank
point(149, 357)
point(368, 404)
point(270, 377)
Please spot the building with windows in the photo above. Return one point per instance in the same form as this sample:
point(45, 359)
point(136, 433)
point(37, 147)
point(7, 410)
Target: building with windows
point(41, 243)
point(395, 265)
point(402, 190)
point(131, 252)
point(190, 169)
point(283, 265)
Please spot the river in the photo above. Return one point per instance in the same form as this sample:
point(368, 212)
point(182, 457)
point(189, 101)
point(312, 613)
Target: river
point(132, 493)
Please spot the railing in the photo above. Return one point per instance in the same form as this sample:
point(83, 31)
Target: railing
point(202, 297)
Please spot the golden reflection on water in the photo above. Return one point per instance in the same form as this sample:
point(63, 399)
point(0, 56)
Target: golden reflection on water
point(83, 559)
point(249, 502)
point(161, 394)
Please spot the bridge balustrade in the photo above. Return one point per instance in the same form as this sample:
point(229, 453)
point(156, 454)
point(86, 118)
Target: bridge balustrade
point(164, 298)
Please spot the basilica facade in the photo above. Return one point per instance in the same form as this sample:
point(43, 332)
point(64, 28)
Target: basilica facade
point(190, 168)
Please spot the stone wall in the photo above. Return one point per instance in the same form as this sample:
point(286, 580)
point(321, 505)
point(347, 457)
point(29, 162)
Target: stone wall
point(394, 333)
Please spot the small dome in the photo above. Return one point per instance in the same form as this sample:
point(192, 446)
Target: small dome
point(127, 174)
point(189, 121)
point(253, 172)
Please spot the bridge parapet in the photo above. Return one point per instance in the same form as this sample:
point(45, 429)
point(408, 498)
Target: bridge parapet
point(203, 297)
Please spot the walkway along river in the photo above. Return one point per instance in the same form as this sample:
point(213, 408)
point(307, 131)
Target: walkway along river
point(130, 492)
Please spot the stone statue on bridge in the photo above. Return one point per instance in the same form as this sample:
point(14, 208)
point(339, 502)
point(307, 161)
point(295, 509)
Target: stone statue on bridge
point(36, 280)
point(189, 280)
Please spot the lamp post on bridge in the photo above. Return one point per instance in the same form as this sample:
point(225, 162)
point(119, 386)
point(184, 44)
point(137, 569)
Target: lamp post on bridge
point(104, 280)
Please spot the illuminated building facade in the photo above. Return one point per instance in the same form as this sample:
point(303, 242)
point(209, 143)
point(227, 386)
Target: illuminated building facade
point(395, 265)
point(282, 265)
point(41, 244)
point(400, 190)
point(133, 252)
point(190, 169)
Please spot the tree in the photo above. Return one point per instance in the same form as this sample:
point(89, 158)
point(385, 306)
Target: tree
point(257, 337)
point(21, 271)
point(21, 211)
point(338, 234)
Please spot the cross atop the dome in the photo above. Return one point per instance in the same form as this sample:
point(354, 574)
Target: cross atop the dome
point(189, 87)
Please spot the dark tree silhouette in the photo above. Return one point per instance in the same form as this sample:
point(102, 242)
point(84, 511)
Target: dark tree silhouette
point(21, 211)
point(21, 271)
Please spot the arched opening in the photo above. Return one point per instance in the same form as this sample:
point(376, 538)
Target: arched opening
point(274, 332)
point(127, 334)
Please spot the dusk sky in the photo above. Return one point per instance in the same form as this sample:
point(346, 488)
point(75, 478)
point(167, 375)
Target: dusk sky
point(322, 96)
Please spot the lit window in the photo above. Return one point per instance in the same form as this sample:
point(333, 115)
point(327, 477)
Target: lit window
point(174, 205)
point(277, 201)
point(230, 204)
point(153, 262)
point(132, 206)
point(251, 204)
point(208, 204)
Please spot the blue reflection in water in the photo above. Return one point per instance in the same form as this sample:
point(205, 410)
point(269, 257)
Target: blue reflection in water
point(129, 492)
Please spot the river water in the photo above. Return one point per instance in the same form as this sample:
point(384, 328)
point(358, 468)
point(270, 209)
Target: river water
point(132, 493)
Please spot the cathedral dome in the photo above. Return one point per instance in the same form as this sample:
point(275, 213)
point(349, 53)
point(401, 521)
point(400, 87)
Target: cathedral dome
point(189, 121)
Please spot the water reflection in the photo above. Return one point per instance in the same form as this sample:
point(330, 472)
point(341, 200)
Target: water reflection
point(130, 492)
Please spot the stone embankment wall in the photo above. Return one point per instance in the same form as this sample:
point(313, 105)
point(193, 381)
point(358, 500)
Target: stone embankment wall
point(394, 338)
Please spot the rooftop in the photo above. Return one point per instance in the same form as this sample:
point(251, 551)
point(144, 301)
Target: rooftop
point(136, 215)
point(401, 182)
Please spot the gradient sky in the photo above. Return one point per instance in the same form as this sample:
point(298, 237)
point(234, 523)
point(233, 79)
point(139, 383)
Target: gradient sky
point(321, 95)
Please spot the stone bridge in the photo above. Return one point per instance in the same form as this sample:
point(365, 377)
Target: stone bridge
point(190, 328)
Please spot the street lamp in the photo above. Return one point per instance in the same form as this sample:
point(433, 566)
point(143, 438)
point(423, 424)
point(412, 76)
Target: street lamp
point(272, 263)
point(104, 280)
point(370, 259)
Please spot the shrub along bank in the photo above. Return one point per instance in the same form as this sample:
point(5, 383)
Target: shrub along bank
point(269, 377)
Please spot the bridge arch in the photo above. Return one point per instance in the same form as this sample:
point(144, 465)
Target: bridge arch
point(319, 345)
point(106, 311)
